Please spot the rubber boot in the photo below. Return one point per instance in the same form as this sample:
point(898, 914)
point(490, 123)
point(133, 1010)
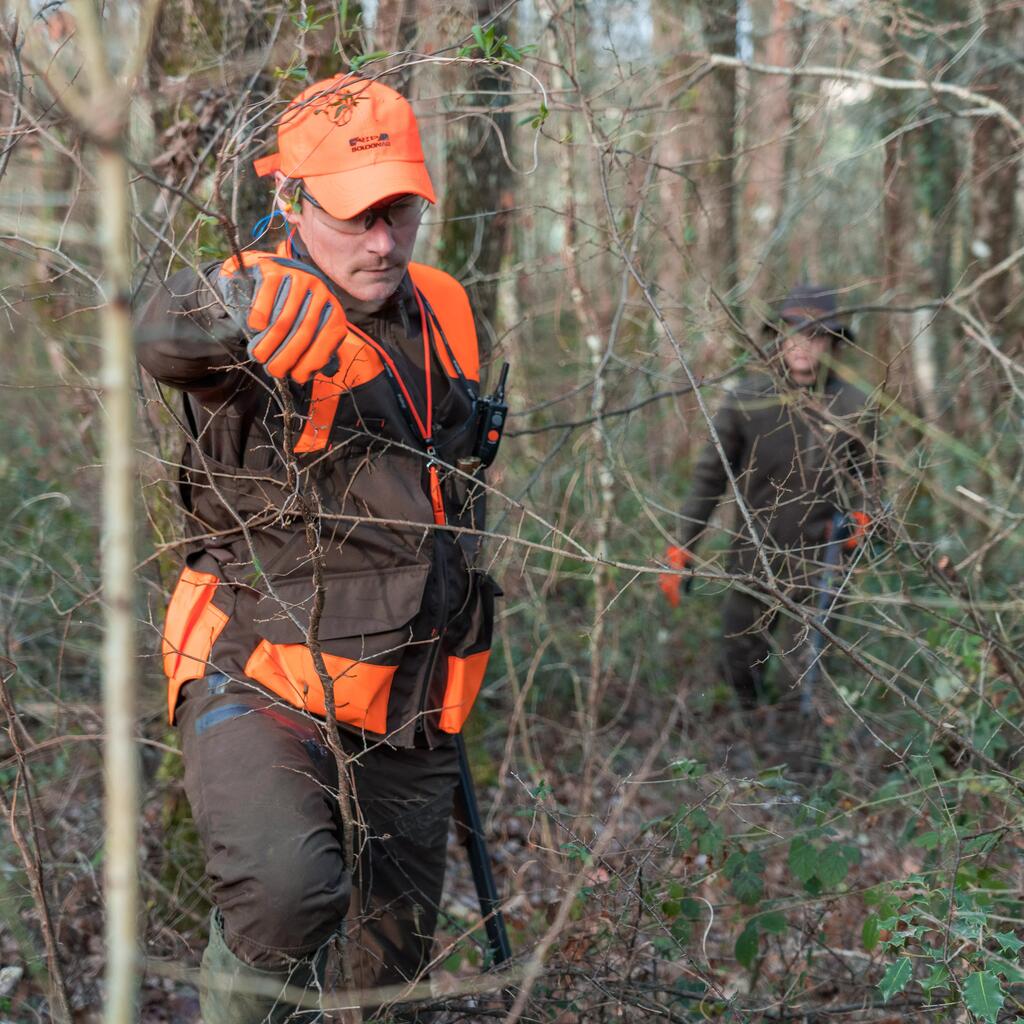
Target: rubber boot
point(232, 992)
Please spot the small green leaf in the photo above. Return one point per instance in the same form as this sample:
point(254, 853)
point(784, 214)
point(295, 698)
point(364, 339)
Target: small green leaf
point(1008, 942)
point(747, 944)
point(927, 840)
point(744, 870)
point(773, 923)
point(686, 768)
point(362, 59)
point(896, 977)
point(832, 865)
point(982, 844)
point(869, 932)
point(984, 995)
point(803, 860)
point(939, 978)
point(576, 851)
point(711, 842)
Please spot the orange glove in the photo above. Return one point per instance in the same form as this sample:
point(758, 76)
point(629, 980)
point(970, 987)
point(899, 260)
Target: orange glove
point(299, 322)
point(860, 522)
point(678, 558)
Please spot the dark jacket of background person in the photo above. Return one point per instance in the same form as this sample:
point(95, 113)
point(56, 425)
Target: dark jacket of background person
point(797, 454)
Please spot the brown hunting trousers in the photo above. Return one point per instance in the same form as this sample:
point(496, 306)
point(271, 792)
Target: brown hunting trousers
point(263, 788)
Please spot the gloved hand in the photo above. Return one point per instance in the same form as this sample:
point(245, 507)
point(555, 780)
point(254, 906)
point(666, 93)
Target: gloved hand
point(860, 523)
point(678, 558)
point(298, 321)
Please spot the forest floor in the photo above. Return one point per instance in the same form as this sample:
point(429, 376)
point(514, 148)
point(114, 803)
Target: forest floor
point(644, 887)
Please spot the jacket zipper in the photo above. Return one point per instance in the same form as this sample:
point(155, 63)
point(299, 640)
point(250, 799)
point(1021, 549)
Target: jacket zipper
point(425, 430)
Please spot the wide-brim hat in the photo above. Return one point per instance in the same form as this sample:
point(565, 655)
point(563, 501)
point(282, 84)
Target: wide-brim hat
point(353, 142)
point(812, 307)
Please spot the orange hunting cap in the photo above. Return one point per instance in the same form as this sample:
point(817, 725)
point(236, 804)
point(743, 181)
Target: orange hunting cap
point(353, 143)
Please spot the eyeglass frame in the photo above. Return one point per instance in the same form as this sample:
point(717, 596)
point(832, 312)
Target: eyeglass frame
point(370, 215)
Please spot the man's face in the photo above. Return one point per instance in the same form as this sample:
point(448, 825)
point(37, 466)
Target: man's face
point(369, 265)
point(802, 352)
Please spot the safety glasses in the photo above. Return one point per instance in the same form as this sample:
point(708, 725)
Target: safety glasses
point(402, 213)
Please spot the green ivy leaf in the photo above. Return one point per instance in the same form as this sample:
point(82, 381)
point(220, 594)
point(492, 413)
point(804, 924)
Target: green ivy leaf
point(869, 932)
point(984, 995)
point(747, 944)
point(896, 977)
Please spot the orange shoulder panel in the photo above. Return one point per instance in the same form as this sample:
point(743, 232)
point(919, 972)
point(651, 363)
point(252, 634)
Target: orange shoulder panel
point(451, 304)
point(358, 364)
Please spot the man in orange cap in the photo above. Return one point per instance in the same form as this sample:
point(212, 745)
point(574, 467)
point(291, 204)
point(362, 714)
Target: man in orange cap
point(332, 486)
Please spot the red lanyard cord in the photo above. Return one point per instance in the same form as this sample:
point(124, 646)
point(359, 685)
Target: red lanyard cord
point(408, 406)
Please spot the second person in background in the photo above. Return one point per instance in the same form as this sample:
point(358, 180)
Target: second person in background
point(800, 443)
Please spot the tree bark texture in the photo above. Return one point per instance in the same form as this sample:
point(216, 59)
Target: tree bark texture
point(996, 170)
point(480, 186)
point(766, 128)
point(696, 139)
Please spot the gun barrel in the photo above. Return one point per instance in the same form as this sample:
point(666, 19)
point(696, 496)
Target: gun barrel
point(480, 861)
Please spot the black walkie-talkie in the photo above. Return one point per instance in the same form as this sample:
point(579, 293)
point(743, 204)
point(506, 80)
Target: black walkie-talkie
point(492, 411)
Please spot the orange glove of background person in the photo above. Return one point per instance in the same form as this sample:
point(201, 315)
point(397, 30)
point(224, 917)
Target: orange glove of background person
point(678, 558)
point(299, 322)
point(859, 524)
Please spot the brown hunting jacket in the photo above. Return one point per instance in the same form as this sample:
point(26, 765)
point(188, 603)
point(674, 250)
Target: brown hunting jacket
point(286, 486)
point(798, 455)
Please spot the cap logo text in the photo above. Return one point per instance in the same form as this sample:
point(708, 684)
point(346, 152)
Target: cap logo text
point(361, 142)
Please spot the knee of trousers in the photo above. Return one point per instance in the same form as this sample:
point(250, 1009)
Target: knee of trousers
point(284, 912)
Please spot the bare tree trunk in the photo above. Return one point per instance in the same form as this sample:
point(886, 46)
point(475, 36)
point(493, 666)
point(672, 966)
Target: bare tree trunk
point(119, 654)
point(479, 190)
point(767, 124)
point(894, 343)
point(697, 138)
point(719, 24)
point(995, 169)
point(121, 783)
